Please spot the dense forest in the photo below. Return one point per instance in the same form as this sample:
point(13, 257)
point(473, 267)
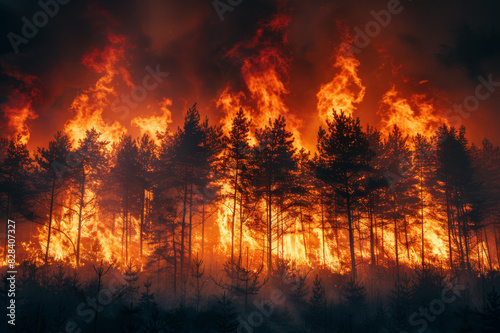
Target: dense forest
point(201, 229)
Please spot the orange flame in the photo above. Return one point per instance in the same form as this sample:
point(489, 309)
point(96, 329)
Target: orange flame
point(19, 109)
point(346, 90)
point(155, 124)
point(414, 115)
point(90, 104)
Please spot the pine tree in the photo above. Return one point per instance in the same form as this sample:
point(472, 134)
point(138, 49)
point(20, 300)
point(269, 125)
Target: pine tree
point(491, 312)
point(273, 166)
point(88, 164)
point(147, 302)
point(197, 272)
point(344, 159)
point(244, 282)
point(318, 306)
point(423, 160)
point(237, 155)
point(401, 193)
point(226, 320)
point(186, 160)
point(126, 174)
point(52, 163)
point(400, 300)
point(455, 172)
point(147, 160)
point(15, 172)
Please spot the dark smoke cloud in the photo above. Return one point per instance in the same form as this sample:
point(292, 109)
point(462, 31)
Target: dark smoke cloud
point(447, 42)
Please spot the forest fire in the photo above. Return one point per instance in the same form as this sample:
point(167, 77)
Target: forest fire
point(218, 195)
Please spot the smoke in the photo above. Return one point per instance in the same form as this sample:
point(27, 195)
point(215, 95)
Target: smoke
point(449, 43)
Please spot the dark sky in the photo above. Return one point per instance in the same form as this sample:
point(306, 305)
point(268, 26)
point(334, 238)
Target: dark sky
point(449, 43)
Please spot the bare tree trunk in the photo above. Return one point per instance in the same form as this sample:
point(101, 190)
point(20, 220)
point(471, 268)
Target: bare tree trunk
point(190, 222)
point(358, 226)
point(234, 208)
point(382, 234)
point(351, 235)
point(50, 218)
point(80, 217)
point(184, 209)
point(488, 253)
point(303, 231)
point(448, 211)
point(203, 229)
point(396, 237)
point(142, 219)
point(323, 229)
point(241, 227)
point(376, 239)
point(127, 226)
point(269, 234)
point(372, 236)
point(337, 245)
point(496, 243)
point(175, 259)
point(406, 238)
point(422, 208)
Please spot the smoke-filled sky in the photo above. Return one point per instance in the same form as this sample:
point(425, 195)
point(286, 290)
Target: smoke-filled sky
point(444, 45)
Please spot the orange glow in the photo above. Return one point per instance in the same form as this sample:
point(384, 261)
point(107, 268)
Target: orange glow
point(90, 104)
point(414, 115)
point(19, 110)
point(155, 124)
point(314, 237)
point(345, 91)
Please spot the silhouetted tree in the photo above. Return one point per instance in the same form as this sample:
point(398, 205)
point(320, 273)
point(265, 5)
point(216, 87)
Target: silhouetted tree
point(344, 159)
point(15, 173)
point(88, 164)
point(238, 150)
point(455, 172)
point(226, 320)
point(273, 166)
point(51, 160)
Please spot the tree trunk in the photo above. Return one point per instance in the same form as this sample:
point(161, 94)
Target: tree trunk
point(234, 208)
point(269, 235)
point(372, 236)
point(80, 217)
point(323, 230)
point(422, 208)
point(448, 213)
point(175, 260)
point(351, 235)
point(183, 221)
point(50, 218)
point(203, 229)
point(406, 239)
point(303, 231)
point(190, 222)
point(142, 219)
point(488, 253)
point(241, 228)
point(127, 227)
point(396, 236)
